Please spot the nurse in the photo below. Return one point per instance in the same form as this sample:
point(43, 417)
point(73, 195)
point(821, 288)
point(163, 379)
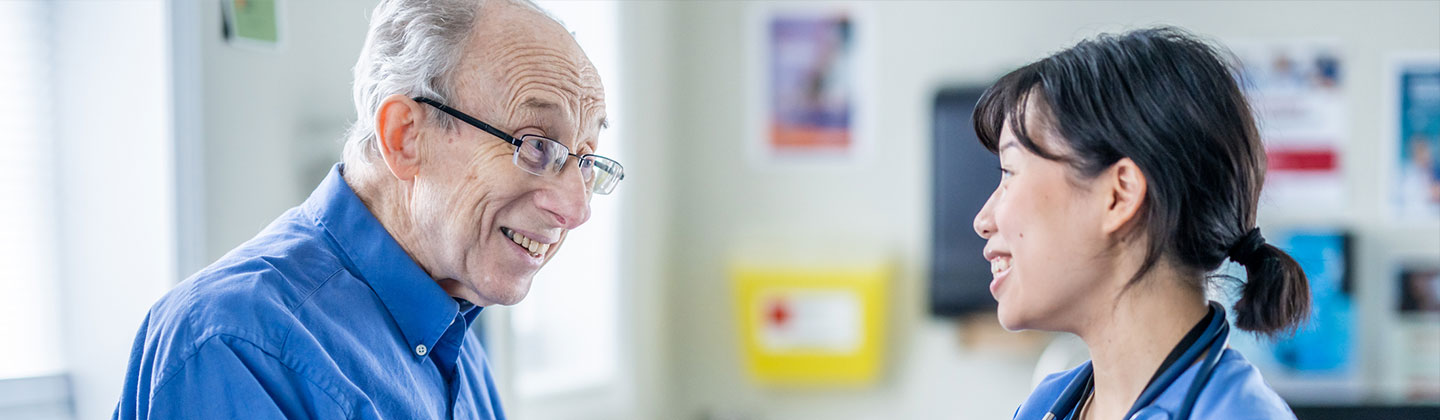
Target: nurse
point(1131, 169)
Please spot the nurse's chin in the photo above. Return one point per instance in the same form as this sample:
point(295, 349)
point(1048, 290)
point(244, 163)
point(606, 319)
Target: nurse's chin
point(1011, 319)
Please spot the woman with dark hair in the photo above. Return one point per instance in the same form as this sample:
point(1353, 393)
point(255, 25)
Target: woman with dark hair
point(1131, 170)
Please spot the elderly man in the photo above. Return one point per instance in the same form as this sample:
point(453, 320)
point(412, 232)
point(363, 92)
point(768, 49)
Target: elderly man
point(469, 162)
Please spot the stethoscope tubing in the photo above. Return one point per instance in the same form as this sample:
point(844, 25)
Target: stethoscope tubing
point(1211, 344)
point(1202, 376)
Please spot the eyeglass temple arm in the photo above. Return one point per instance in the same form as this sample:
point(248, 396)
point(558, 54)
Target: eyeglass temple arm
point(483, 126)
point(469, 120)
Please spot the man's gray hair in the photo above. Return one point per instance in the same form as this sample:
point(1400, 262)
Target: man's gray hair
point(413, 49)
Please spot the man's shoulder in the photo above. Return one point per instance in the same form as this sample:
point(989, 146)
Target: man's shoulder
point(240, 316)
point(251, 292)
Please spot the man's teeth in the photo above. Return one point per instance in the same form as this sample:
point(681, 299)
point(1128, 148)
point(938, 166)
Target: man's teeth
point(999, 265)
point(535, 247)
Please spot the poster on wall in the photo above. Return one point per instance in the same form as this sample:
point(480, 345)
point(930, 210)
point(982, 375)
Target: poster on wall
point(1317, 363)
point(253, 24)
point(1415, 173)
point(1295, 88)
point(1323, 345)
point(807, 83)
point(1419, 289)
point(1415, 371)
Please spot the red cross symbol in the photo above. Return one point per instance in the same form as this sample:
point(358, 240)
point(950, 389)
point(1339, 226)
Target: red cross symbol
point(778, 313)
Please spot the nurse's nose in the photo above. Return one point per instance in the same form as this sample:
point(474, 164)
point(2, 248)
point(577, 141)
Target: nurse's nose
point(985, 219)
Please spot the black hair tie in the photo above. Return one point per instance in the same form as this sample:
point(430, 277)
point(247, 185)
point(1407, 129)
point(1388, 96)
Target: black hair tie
point(1245, 250)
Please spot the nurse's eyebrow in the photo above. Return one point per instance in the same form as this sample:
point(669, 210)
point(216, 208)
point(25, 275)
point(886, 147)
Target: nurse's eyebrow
point(1006, 145)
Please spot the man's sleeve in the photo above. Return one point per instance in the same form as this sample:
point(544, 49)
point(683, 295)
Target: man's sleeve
point(231, 378)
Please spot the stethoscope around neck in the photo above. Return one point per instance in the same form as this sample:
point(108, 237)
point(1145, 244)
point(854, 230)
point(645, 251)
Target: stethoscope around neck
point(1210, 344)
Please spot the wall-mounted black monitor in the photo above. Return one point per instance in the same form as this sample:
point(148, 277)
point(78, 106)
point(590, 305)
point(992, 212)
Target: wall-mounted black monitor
point(962, 176)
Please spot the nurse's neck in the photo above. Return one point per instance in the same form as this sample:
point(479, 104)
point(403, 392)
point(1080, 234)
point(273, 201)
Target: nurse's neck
point(1131, 338)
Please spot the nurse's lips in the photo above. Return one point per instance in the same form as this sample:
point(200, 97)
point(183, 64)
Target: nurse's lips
point(999, 269)
point(999, 266)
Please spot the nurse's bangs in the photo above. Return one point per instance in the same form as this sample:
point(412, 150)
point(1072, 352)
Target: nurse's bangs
point(1006, 101)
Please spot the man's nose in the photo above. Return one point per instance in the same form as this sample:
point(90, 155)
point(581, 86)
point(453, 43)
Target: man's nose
point(566, 197)
point(985, 220)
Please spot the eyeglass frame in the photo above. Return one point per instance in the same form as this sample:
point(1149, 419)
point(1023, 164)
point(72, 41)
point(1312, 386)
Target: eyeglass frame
point(518, 143)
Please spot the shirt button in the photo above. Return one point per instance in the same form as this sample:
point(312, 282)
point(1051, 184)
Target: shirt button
point(420, 350)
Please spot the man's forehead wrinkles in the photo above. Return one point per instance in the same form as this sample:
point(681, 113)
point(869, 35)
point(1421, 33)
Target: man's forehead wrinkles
point(548, 76)
point(541, 90)
point(510, 50)
point(540, 74)
point(544, 64)
point(536, 96)
point(540, 100)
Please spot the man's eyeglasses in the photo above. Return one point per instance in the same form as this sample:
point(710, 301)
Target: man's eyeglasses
point(544, 156)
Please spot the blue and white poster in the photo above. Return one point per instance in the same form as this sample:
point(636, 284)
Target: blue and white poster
point(1416, 189)
point(1319, 362)
point(1323, 344)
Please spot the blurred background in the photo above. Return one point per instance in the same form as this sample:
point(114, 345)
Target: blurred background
point(792, 240)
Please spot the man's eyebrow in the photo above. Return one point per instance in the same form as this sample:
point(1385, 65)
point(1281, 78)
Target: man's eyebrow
point(537, 103)
point(1006, 145)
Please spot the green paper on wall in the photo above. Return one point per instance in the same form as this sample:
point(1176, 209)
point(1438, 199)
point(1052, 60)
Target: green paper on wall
point(254, 21)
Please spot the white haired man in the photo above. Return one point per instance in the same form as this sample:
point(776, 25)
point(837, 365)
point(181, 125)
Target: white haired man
point(470, 160)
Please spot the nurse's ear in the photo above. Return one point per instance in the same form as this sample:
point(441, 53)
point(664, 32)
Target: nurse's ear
point(397, 133)
point(1124, 186)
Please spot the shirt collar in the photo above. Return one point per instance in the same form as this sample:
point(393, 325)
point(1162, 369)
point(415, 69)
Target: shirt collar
point(420, 307)
point(468, 310)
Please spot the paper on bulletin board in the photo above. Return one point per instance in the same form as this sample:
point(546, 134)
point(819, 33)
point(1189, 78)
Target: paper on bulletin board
point(254, 24)
point(808, 83)
point(821, 320)
point(1418, 289)
point(1414, 133)
point(1296, 92)
point(1413, 371)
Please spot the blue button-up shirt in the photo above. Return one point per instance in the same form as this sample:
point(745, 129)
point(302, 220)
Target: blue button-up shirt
point(320, 316)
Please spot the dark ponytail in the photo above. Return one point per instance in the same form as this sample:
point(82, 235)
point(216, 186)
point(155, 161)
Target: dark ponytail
point(1168, 101)
point(1276, 296)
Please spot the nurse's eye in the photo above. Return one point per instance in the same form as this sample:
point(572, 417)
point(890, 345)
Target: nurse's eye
point(1005, 174)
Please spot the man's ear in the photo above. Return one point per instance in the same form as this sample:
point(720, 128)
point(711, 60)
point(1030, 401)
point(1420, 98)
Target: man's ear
point(397, 134)
point(1125, 188)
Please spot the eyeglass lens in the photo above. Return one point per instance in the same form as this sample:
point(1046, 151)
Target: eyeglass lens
point(542, 156)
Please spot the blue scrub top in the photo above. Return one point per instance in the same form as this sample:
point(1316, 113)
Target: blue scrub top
point(1235, 392)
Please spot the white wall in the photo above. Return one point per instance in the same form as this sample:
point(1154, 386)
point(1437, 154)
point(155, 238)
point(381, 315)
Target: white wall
point(720, 206)
point(646, 236)
point(117, 170)
point(272, 122)
point(115, 177)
